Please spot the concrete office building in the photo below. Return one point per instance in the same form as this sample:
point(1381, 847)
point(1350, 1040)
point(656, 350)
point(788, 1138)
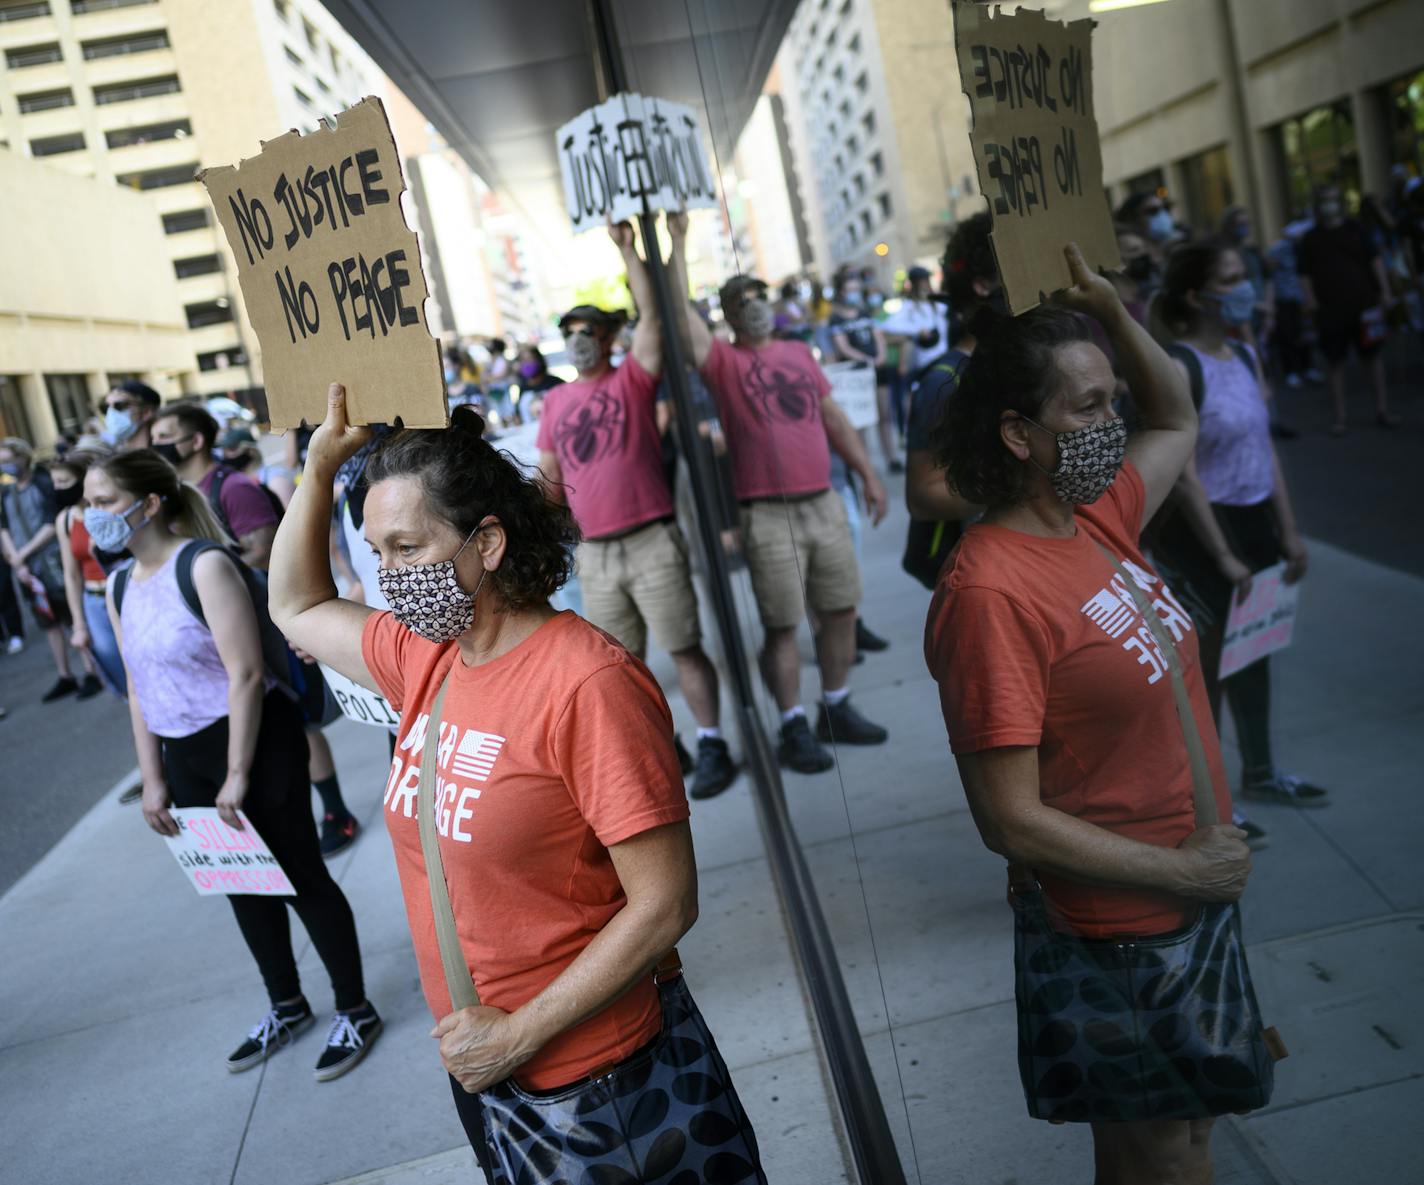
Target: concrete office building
point(87, 298)
point(1254, 101)
point(143, 93)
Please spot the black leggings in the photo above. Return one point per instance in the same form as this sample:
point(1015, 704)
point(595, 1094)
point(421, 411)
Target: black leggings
point(1189, 569)
point(279, 806)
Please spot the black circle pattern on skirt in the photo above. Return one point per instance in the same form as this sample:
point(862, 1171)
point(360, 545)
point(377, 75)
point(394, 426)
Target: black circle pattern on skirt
point(1147, 1030)
point(669, 1116)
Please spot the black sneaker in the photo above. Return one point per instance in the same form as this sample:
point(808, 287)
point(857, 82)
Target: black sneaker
point(798, 749)
point(715, 771)
point(347, 1040)
point(89, 688)
point(132, 794)
point(842, 724)
point(337, 836)
point(1255, 836)
point(684, 758)
point(281, 1026)
point(62, 687)
point(865, 640)
point(1286, 790)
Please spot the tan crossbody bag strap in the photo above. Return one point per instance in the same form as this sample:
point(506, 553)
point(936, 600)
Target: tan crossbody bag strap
point(452, 958)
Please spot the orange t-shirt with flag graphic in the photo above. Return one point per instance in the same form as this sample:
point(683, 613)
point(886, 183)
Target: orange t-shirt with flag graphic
point(549, 755)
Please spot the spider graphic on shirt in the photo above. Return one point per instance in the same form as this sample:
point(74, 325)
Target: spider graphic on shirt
point(781, 393)
point(593, 431)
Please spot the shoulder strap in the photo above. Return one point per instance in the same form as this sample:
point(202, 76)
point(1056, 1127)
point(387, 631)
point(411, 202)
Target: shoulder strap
point(1248, 360)
point(1203, 797)
point(183, 571)
point(1188, 358)
point(119, 580)
point(463, 993)
point(220, 475)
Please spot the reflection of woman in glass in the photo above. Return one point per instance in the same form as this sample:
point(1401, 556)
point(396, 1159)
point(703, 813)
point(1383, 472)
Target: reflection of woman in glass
point(1056, 695)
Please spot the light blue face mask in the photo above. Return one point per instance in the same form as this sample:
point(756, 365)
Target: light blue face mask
point(1160, 226)
point(110, 531)
point(11, 468)
point(118, 425)
point(1237, 304)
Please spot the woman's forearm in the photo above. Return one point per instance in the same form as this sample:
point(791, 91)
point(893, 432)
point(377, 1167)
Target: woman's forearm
point(43, 538)
point(73, 586)
point(244, 717)
point(1281, 502)
point(150, 757)
point(300, 575)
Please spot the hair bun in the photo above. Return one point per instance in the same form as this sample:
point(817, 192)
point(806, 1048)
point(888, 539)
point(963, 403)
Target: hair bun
point(468, 420)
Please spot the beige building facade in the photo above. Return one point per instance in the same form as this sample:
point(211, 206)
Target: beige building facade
point(87, 298)
point(1254, 101)
point(141, 94)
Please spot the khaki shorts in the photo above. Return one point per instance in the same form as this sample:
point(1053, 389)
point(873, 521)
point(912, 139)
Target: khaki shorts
point(788, 543)
point(641, 582)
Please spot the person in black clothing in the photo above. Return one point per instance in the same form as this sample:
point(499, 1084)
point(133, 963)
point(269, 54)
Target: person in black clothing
point(1344, 284)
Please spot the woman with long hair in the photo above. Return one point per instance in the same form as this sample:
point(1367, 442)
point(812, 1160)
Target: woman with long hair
point(212, 728)
point(84, 577)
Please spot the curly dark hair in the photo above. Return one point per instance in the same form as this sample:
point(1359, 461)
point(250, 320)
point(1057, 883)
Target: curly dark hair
point(1012, 369)
point(465, 478)
point(968, 256)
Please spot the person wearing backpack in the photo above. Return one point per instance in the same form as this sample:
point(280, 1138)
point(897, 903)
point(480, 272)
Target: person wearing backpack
point(186, 436)
point(1231, 514)
point(213, 728)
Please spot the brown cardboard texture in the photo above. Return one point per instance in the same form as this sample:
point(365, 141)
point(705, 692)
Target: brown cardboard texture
point(331, 275)
point(1030, 86)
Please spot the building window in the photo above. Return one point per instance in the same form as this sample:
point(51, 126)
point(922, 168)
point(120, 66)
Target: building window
point(845, 8)
point(33, 55)
point(22, 12)
point(1317, 147)
point(197, 265)
point(46, 100)
point(883, 201)
point(173, 129)
point(845, 109)
point(82, 6)
point(69, 400)
point(839, 75)
point(862, 82)
point(852, 146)
point(207, 312)
point(867, 121)
point(184, 220)
point(14, 420)
point(1152, 181)
point(293, 56)
point(865, 222)
point(158, 178)
point(853, 45)
point(310, 30)
point(1406, 114)
point(113, 47)
point(1207, 183)
point(55, 145)
point(877, 163)
point(281, 8)
point(222, 359)
point(321, 86)
point(302, 97)
point(859, 184)
point(124, 92)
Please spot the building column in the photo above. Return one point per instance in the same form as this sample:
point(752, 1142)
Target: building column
point(1368, 106)
point(37, 408)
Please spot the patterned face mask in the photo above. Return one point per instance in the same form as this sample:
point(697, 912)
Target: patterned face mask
point(427, 598)
point(1088, 460)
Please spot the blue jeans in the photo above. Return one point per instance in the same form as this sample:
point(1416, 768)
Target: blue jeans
point(103, 645)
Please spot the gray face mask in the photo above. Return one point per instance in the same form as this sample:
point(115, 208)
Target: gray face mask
point(754, 319)
point(584, 352)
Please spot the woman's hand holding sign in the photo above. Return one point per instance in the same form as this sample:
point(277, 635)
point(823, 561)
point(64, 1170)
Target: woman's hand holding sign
point(335, 440)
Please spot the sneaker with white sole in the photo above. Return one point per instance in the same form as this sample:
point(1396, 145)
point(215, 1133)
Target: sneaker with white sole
point(1286, 790)
point(351, 1034)
point(281, 1026)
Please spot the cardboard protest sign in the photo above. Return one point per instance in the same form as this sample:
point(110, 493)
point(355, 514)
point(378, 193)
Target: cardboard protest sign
point(1261, 624)
point(853, 388)
point(220, 860)
point(330, 273)
point(359, 703)
point(1035, 140)
point(628, 151)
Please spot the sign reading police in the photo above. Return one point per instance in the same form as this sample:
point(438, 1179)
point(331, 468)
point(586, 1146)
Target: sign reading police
point(1035, 139)
point(330, 273)
point(629, 150)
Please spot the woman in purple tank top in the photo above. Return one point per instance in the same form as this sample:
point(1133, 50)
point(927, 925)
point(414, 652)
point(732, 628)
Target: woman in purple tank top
point(1233, 514)
point(213, 730)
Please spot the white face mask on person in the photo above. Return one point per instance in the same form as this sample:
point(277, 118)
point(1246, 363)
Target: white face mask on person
point(585, 352)
point(109, 530)
point(755, 318)
point(427, 598)
point(1088, 459)
point(1237, 303)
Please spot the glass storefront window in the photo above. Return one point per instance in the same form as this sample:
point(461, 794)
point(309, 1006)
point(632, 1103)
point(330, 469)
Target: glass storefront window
point(1406, 114)
point(69, 399)
point(1316, 147)
point(13, 419)
point(1207, 183)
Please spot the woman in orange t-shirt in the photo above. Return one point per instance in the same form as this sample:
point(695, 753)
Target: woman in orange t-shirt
point(1056, 696)
point(558, 803)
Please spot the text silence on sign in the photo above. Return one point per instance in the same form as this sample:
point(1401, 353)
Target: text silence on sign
point(220, 860)
point(629, 151)
point(330, 273)
point(1035, 140)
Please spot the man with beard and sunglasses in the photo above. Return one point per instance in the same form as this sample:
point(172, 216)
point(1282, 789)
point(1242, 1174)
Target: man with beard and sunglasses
point(601, 451)
point(781, 423)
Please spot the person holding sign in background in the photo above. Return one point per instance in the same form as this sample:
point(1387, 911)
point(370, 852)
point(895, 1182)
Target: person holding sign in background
point(601, 450)
point(211, 729)
point(1232, 515)
point(556, 813)
point(1061, 687)
point(781, 423)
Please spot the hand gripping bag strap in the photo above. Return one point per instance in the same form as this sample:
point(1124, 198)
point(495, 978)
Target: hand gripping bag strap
point(452, 959)
point(1203, 796)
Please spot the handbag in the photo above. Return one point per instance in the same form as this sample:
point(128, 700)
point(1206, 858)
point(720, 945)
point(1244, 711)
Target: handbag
point(1135, 1028)
point(670, 1109)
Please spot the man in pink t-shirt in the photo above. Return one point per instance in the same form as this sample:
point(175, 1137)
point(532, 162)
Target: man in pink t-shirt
point(600, 449)
point(780, 424)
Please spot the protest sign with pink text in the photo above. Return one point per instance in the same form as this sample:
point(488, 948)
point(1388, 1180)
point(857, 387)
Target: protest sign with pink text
point(1261, 624)
point(219, 859)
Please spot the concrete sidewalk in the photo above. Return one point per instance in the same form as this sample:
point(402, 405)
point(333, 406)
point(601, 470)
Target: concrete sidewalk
point(124, 991)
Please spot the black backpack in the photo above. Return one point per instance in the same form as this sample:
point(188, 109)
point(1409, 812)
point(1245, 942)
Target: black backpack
point(277, 656)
